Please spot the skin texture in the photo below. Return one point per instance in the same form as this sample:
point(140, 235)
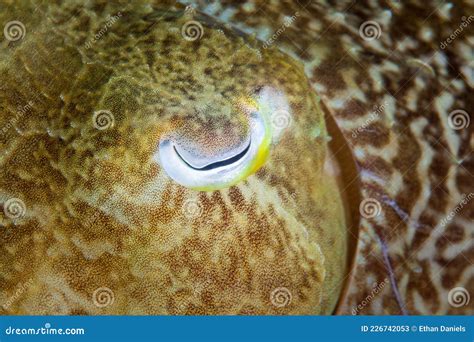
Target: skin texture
point(408, 158)
point(409, 257)
point(105, 230)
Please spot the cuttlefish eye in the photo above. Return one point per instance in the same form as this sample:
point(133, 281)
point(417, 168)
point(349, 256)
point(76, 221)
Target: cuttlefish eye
point(261, 130)
point(225, 169)
point(179, 164)
point(220, 171)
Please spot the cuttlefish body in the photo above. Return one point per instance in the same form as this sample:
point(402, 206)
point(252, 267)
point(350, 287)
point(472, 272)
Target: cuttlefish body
point(229, 158)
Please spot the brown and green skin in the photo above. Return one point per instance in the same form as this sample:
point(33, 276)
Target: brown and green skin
point(408, 158)
point(100, 211)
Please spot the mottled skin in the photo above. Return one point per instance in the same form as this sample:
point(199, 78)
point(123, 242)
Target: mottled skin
point(409, 159)
point(100, 211)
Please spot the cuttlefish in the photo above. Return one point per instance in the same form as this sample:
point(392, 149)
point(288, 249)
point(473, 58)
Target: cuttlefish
point(280, 157)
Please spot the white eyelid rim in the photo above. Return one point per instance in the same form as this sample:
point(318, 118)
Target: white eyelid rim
point(180, 172)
